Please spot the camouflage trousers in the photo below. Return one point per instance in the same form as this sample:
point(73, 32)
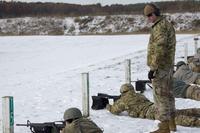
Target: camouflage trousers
point(163, 94)
point(193, 92)
point(188, 117)
point(184, 117)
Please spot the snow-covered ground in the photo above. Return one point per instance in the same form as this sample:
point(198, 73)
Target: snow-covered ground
point(43, 73)
point(81, 25)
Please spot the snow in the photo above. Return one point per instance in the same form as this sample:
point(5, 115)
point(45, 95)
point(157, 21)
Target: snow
point(80, 25)
point(43, 73)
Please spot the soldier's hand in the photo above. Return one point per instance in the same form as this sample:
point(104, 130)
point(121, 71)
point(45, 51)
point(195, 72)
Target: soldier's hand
point(108, 106)
point(151, 75)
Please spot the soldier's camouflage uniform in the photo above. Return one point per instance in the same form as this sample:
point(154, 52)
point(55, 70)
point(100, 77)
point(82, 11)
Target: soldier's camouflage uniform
point(187, 75)
point(160, 58)
point(82, 125)
point(138, 106)
point(183, 90)
point(194, 63)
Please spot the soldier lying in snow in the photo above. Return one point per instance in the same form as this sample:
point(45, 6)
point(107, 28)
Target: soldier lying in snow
point(183, 72)
point(180, 90)
point(183, 90)
point(138, 106)
point(76, 123)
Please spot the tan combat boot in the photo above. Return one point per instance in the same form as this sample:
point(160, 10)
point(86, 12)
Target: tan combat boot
point(172, 124)
point(163, 127)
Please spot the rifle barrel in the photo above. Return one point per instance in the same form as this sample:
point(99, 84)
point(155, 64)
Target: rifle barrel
point(22, 125)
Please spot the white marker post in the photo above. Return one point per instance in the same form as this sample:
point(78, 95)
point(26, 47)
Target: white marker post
point(195, 44)
point(8, 114)
point(85, 94)
point(127, 71)
point(186, 52)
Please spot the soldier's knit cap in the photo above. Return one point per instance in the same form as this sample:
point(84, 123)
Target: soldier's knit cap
point(149, 9)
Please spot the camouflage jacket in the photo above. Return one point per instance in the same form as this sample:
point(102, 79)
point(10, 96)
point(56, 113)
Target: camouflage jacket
point(186, 74)
point(135, 104)
point(162, 44)
point(139, 106)
point(82, 125)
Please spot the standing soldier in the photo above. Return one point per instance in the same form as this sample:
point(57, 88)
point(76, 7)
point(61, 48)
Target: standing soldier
point(160, 59)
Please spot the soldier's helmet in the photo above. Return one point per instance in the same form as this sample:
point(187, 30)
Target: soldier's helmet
point(72, 113)
point(126, 87)
point(180, 63)
point(198, 50)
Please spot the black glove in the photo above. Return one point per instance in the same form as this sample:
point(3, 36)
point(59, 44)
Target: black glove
point(151, 75)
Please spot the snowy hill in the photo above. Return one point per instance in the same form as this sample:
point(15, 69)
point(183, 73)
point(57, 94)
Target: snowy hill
point(115, 24)
point(43, 73)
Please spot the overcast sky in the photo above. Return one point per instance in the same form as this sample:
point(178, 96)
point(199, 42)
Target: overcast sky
point(103, 2)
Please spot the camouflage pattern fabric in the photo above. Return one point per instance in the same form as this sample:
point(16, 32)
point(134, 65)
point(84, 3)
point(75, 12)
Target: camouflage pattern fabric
point(163, 94)
point(193, 92)
point(186, 74)
point(194, 67)
point(188, 117)
point(197, 81)
point(183, 90)
point(82, 125)
point(179, 88)
point(138, 106)
point(161, 47)
point(194, 64)
point(160, 58)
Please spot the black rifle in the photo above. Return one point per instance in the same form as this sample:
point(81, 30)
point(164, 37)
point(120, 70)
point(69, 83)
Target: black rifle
point(115, 98)
point(140, 85)
point(101, 100)
point(47, 127)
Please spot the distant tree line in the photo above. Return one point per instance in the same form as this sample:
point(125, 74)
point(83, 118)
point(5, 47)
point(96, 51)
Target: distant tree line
point(38, 9)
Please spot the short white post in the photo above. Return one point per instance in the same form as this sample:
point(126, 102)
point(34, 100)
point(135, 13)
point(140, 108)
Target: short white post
point(186, 52)
point(195, 44)
point(8, 114)
point(85, 94)
point(127, 71)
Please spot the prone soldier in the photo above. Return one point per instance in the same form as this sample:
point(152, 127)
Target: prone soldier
point(184, 90)
point(183, 72)
point(76, 123)
point(180, 89)
point(138, 106)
